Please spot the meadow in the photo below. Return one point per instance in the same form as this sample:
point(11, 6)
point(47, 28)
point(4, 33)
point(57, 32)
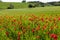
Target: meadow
point(18, 5)
point(42, 23)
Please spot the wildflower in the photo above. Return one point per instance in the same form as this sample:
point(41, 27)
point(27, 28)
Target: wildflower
point(50, 20)
point(54, 19)
point(18, 38)
point(7, 17)
point(55, 24)
point(31, 19)
point(14, 20)
point(59, 18)
point(33, 30)
point(37, 37)
point(42, 19)
point(15, 29)
point(7, 33)
point(19, 33)
point(22, 27)
point(24, 30)
point(35, 17)
point(47, 18)
point(38, 28)
point(48, 33)
point(57, 27)
point(51, 28)
point(54, 36)
point(44, 27)
point(20, 23)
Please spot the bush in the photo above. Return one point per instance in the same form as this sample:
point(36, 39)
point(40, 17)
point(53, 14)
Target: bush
point(31, 6)
point(23, 1)
point(0, 1)
point(11, 6)
point(42, 5)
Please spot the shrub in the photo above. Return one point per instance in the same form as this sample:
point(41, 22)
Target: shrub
point(42, 5)
point(23, 1)
point(11, 6)
point(31, 6)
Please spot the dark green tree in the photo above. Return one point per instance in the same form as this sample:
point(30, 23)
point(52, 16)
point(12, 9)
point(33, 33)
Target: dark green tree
point(24, 1)
point(11, 6)
point(0, 0)
point(42, 4)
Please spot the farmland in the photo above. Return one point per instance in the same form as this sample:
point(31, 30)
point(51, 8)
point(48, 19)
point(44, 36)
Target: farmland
point(42, 23)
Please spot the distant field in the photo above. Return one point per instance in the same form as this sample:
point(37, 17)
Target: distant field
point(39, 10)
point(4, 5)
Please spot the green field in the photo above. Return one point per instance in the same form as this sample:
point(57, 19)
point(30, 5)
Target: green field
point(5, 5)
point(40, 23)
point(39, 10)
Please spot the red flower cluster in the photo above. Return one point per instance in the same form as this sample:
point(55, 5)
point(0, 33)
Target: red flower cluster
point(33, 30)
point(18, 38)
point(38, 28)
point(54, 36)
point(7, 33)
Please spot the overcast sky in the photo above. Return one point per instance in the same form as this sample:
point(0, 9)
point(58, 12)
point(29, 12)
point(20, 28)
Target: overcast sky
point(29, 0)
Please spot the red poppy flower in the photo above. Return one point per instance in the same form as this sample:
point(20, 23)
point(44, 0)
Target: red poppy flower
point(14, 20)
point(31, 19)
point(19, 33)
point(33, 30)
point(59, 18)
point(54, 36)
point(38, 28)
point(18, 38)
point(44, 27)
point(42, 19)
point(7, 33)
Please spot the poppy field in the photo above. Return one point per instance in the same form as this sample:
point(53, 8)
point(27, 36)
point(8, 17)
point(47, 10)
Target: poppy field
point(38, 26)
point(30, 27)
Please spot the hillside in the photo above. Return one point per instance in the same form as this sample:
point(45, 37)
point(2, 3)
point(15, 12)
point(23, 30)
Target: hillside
point(4, 5)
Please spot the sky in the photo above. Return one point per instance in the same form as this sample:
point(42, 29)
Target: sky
point(29, 0)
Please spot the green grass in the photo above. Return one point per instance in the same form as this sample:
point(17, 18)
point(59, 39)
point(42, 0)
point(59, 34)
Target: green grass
point(37, 11)
point(4, 5)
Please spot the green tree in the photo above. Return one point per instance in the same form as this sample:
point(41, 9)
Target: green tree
point(24, 1)
point(11, 6)
point(42, 4)
point(0, 0)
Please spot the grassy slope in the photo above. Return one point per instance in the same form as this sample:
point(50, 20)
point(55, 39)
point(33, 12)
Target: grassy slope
point(4, 5)
point(46, 10)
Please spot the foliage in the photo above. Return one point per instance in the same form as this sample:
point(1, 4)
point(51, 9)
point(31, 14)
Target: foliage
point(23, 1)
point(31, 6)
point(0, 1)
point(11, 6)
point(54, 3)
